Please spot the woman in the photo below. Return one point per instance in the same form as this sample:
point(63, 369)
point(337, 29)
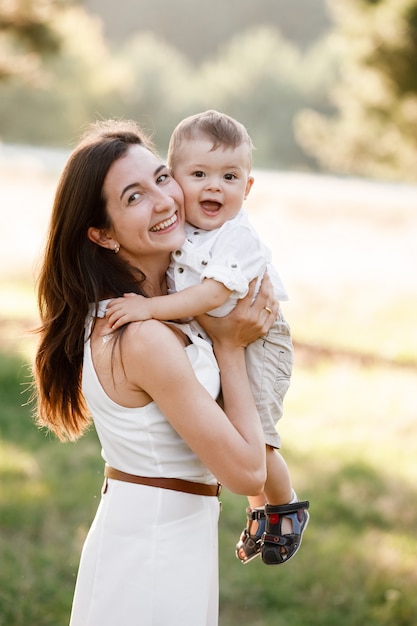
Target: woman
point(150, 557)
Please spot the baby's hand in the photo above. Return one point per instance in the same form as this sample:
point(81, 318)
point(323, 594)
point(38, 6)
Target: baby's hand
point(130, 308)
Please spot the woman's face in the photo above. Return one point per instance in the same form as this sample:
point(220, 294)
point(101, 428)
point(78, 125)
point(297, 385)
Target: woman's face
point(145, 206)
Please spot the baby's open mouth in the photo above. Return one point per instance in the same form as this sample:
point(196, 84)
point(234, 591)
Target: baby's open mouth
point(210, 205)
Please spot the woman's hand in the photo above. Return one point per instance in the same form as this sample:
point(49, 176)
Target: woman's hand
point(248, 321)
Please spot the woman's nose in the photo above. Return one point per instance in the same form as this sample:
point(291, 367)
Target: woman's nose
point(162, 201)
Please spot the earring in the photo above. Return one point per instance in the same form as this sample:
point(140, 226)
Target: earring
point(116, 248)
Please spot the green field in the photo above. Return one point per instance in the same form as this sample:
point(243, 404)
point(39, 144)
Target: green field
point(349, 440)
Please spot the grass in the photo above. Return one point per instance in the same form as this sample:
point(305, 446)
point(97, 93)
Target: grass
point(354, 459)
point(375, 325)
point(48, 494)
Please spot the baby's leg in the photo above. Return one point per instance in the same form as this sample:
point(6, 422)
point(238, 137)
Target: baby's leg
point(278, 489)
point(269, 362)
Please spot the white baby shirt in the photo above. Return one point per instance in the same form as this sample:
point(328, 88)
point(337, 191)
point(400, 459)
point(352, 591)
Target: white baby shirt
point(232, 254)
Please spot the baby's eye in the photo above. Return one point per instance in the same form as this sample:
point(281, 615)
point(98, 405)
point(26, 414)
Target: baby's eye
point(230, 176)
point(199, 174)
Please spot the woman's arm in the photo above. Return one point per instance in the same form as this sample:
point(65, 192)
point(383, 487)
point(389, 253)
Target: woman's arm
point(230, 335)
point(155, 361)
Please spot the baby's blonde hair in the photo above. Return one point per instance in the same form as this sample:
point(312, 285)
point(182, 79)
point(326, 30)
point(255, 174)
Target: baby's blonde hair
point(222, 129)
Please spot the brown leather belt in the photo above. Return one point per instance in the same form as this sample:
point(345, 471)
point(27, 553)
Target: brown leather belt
point(176, 484)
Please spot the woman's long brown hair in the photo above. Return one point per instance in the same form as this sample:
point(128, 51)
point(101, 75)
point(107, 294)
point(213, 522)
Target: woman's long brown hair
point(75, 273)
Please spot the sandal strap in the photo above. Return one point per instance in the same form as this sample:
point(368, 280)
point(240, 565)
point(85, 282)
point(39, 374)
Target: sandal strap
point(280, 540)
point(255, 514)
point(291, 507)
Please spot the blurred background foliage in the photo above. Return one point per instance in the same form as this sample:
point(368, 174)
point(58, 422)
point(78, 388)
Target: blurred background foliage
point(322, 85)
point(374, 132)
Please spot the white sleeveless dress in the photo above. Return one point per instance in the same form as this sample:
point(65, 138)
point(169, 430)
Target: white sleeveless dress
point(151, 554)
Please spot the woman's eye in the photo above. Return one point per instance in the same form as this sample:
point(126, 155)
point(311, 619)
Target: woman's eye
point(162, 178)
point(133, 197)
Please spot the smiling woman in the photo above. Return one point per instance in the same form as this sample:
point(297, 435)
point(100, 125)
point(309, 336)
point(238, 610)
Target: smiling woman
point(150, 388)
point(145, 209)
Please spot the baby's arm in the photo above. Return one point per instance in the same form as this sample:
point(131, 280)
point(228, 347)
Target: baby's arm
point(188, 302)
point(131, 308)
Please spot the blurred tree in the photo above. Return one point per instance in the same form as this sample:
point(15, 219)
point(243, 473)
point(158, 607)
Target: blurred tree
point(258, 77)
point(263, 80)
point(27, 35)
point(374, 129)
point(158, 81)
point(76, 86)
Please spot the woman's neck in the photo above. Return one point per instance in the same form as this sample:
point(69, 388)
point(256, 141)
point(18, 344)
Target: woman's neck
point(154, 268)
point(155, 283)
point(156, 286)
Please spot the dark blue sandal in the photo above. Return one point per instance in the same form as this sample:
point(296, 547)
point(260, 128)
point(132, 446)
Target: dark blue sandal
point(277, 548)
point(249, 544)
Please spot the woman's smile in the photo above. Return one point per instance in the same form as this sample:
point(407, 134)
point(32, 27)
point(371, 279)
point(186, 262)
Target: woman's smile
point(165, 224)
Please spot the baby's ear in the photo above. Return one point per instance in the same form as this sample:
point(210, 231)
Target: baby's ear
point(249, 184)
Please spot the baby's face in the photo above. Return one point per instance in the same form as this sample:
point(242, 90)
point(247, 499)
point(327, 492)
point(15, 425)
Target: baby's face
point(215, 182)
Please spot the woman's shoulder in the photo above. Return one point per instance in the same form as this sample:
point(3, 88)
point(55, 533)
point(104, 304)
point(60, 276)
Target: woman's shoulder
point(147, 330)
point(153, 335)
point(153, 354)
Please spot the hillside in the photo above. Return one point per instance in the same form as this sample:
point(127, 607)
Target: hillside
point(199, 29)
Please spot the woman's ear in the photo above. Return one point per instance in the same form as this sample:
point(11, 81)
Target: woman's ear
point(101, 238)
